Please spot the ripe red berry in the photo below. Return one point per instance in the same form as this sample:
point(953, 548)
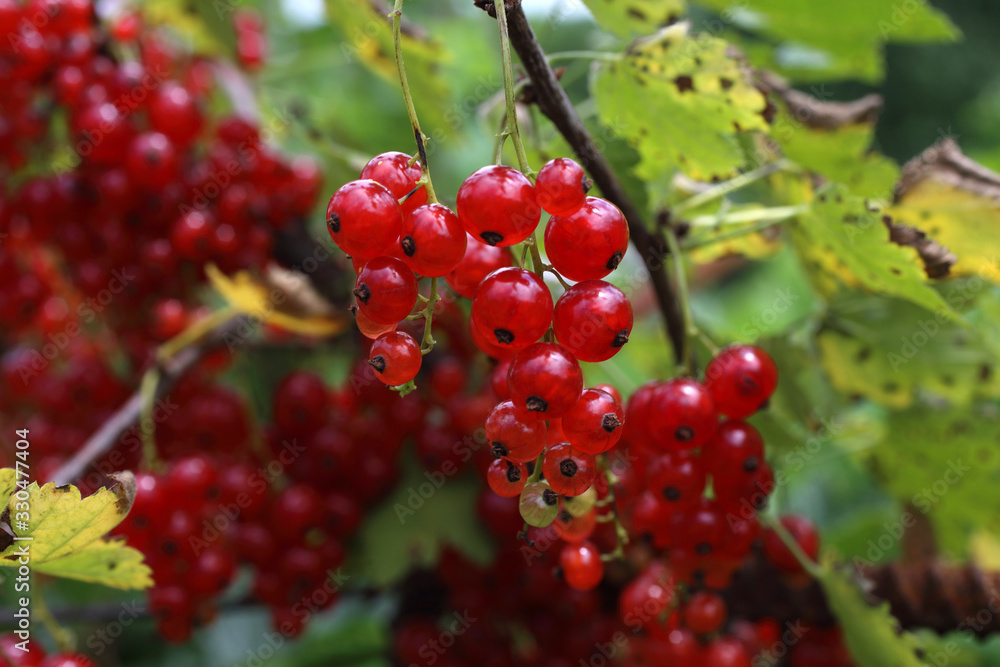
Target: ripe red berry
point(506, 477)
point(681, 414)
point(386, 290)
point(432, 240)
point(741, 379)
point(562, 186)
point(393, 170)
point(726, 652)
point(498, 206)
point(300, 403)
point(803, 531)
point(479, 261)
point(151, 160)
point(588, 244)
point(704, 612)
point(512, 436)
point(545, 380)
point(593, 319)
point(512, 307)
point(173, 111)
point(369, 328)
point(396, 358)
point(734, 453)
point(568, 470)
point(364, 219)
point(581, 565)
point(678, 478)
point(594, 423)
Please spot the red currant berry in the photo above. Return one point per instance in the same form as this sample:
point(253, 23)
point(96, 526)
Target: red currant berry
point(364, 219)
point(300, 404)
point(545, 380)
point(677, 478)
point(479, 261)
point(568, 471)
point(562, 186)
point(681, 414)
point(151, 160)
point(588, 244)
point(512, 307)
point(394, 171)
point(498, 206)
point(433, 241)
point(726, 652)
point(386, 290)
point(595, 423)
point(174, 112)
point(512, 436)
point(581, 565)
point(66, 660)
point(489, 347)
point(734, 453)
point(704, 613)
point(593, 319)
point(506, 478)
point(803, 531)
point(741, 379)
point(369, 328)
point(396, 358)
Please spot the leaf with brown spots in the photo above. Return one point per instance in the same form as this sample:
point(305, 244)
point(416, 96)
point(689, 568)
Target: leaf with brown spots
point(632, 18)
point(683, 102)
point(68, 533)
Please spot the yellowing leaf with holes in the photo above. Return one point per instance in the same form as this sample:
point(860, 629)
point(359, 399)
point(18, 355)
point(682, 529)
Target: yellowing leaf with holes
point(8, 484)
point(682, 101)
point(272, 303)
point(629, 18)
point(844, 243)
point(367, 32)
point(946, 463)
point(890, 350)
point(67, 534)
point(826, 40)
point(956, 202)
point(869, 630)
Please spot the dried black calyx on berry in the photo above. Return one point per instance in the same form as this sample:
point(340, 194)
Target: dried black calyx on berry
point(586, 183)
point(497, 449)
point(491, 238)
point(672, 493)
point(378, 363)
point(362, 293)
point(504, 336)
point(536, 404)
point(610, 422)
point(614, 261)
point(409, 246)
point(550, 497)
point(703, 548)
point(568, 468)
point(684, 433)
point(333, 223)
point(620, 339)
point(513, 473)
point(751, 463)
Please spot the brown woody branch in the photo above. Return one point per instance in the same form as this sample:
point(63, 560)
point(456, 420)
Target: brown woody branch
point(553, 101)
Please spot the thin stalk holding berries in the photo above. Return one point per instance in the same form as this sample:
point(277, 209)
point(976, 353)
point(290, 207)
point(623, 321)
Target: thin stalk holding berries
point(685, 358)
point(418, 135)
point(508, 87)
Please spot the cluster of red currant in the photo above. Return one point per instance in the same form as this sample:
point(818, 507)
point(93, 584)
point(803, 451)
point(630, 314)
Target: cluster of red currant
point(13, 656)
point(147, 190)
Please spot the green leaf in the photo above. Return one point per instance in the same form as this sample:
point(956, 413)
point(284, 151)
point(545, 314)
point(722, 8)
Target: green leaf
point(946, 464)
point(870, 632)
point(956, 202)
point(845, 244)
point(682, 101)
point(67, 533)
point(960, 649)
point(426, 510)
point(629, 18)
point(8, 483)
point(889, 350)
point(368, 39)
point(840, 154)
point(207, 27)
point(823, 41)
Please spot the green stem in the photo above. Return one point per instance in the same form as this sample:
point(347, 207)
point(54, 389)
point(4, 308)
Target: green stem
point(808, 564)
point(620, 533)
point(772, 214)
point(683, 299)
point(584, 55)
point(427, 343)
point(147, 427)
point(64, 639)
point(508, 88)
point(732, 185)
point(536, 474)
point(418, 135)
point(736, 233)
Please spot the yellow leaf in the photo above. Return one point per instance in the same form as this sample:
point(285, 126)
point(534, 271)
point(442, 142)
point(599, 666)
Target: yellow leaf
point(65, 533)
point(956, 202)
point(244, 293)
point(8, 482)
point(984, 549)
